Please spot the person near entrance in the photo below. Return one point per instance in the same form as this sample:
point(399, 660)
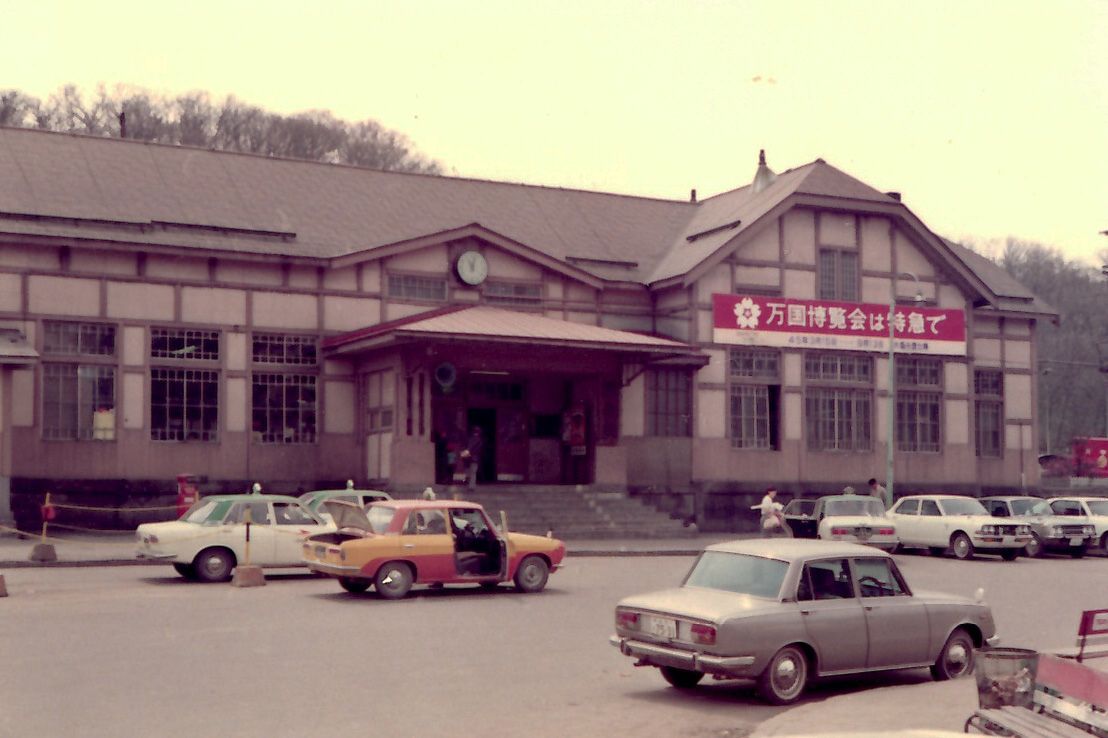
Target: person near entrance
point(472, 455)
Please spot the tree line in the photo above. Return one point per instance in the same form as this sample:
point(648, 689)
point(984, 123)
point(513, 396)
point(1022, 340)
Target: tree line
point(193, 119)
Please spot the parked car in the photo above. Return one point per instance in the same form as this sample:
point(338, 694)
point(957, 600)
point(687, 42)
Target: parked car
point(314, 500)
point(395, 544)
point(856, 519)
point(1049, 532)
point(958, 525)
point(209, 540)
point(799, 516)
point(784, 611)
point(1094, 508)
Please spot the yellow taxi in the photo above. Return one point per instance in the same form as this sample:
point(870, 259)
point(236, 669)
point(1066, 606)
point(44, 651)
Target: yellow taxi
point(393, 545)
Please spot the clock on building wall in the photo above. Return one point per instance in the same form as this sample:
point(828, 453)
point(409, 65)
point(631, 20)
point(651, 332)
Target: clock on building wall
point(472, 268)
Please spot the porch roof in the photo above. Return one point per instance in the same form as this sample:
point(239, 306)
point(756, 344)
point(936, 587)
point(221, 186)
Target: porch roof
point(482, 324)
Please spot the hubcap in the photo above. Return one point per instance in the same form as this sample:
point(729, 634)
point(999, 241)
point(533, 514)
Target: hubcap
point(958, 655)
point(786, 672)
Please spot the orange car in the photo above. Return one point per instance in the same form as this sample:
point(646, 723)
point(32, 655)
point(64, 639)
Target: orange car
point(395, 544)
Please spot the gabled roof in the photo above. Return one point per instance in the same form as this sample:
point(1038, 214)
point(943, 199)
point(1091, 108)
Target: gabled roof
point(81, 188)
point(479, 324)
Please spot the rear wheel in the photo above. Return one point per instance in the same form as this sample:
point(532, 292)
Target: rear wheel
point(532, 574)
point(681, 678)
point(1034, 549)
point(354, 586)
point(1104, 544)
point(956, 658)
point(393, 580)
point(961, 547)
point(214, 565)
point(785, 676)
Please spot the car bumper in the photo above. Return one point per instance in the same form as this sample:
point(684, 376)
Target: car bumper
point(148, 555)
point(983, 541)
point(658, 655)
point(333, 570)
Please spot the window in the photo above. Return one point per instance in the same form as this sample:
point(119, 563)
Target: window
point(755, 405)
point(184, 404)
point(838, 275)
point(988, 386)
point(838, 418)
point(379, 397)
point(284, 408)
point(281, 349)
point(506, 293)
point(79, 339)
point(917, 411)
point(78, 402)
point(417, 288)
point(174, 343)
point(929, 508)
point(879, 578)
point(825, 580)
point(668, 402)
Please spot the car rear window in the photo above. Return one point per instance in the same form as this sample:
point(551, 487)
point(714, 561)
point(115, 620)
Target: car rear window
point(739, 573)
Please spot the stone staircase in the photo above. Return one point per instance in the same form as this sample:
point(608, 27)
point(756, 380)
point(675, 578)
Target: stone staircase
point(575, 512)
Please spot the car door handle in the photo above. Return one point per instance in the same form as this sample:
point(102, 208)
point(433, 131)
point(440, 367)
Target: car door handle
point(409, 545)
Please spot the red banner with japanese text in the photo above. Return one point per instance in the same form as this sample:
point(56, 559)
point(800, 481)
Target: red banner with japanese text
point(751, 320)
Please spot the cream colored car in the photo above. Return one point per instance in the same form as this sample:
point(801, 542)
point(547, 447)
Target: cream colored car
point(957, 525)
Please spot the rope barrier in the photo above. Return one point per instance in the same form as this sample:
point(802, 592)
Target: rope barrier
point(112, 509)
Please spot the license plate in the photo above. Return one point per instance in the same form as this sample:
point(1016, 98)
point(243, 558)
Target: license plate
point(663, 627)
point(1075, 542)
point(321, 552)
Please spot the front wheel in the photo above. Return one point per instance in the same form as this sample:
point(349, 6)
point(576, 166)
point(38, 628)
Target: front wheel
point(214, 565)
point(961, 547)
point(956, 658)
point(394, 580)
point(1010, 554)
point(353, 586)
point(1034, 548)
point(188, 571)
point(681, 678)
point(785, 677)
point(532, 574)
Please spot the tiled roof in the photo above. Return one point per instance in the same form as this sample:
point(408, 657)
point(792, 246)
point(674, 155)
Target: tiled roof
point(150, 195)
point(488, 324)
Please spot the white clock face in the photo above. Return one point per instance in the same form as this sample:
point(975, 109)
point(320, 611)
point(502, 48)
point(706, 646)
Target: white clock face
point(472, 268)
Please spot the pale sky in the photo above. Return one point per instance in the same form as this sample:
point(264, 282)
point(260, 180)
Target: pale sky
point(991, 118)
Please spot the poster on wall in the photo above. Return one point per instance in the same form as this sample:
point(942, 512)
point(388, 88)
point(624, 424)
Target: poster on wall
point(753, 320)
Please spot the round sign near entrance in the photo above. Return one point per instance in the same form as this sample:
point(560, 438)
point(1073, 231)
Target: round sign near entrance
point(472, 268)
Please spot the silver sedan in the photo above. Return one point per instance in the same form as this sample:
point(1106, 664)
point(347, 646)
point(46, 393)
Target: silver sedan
point(784, 611)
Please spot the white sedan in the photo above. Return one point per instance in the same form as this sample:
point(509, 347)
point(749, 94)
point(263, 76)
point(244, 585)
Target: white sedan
point(210, 540)
point(855, 519)
point(1095, 509)
point(958, 525)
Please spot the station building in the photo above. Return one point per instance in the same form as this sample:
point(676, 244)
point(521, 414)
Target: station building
point(169, 310)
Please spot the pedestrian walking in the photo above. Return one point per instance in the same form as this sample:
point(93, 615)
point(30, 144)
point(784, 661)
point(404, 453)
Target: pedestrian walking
point(879, 491)
point(772, 520)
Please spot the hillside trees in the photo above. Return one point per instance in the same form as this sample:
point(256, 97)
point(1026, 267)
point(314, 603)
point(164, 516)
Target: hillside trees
point(193, 119)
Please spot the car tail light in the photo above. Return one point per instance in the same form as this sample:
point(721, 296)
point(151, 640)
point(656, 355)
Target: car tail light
point(152, 539)
point(627, 620)
point(705, 635)
point(887, 531)
point(838, 531)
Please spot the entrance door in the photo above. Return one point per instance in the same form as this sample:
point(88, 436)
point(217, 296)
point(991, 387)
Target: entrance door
point(512, 445)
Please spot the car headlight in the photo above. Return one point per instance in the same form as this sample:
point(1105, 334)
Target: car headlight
point(1057, 531)
point(989, 530)
point(1023, 530)
point(1089, 530)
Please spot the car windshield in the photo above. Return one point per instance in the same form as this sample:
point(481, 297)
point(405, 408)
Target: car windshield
point(861, 506)
point(739, 573)
point(379, 517)
point(1031, 507)
point(957, 506)
point(1098, 507)
point(207, 512)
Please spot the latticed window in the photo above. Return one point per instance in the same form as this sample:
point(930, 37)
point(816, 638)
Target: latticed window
point(838, 275)
point(918, 412)
point(755, 398)
point(184, 404)
point(838, 418)
point(988, 386)
point(278, 348)
point(78, 402)
point(81, 339)
point(180, 343)
point(417, 288)
point(668, 403)
point(284, 408)
point(507, 293)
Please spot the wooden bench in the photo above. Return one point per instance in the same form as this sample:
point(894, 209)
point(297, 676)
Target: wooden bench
point(1069, 700)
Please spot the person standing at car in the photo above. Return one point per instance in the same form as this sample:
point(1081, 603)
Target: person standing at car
point(472, 454)
point(879, 491)
point(772, 520)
